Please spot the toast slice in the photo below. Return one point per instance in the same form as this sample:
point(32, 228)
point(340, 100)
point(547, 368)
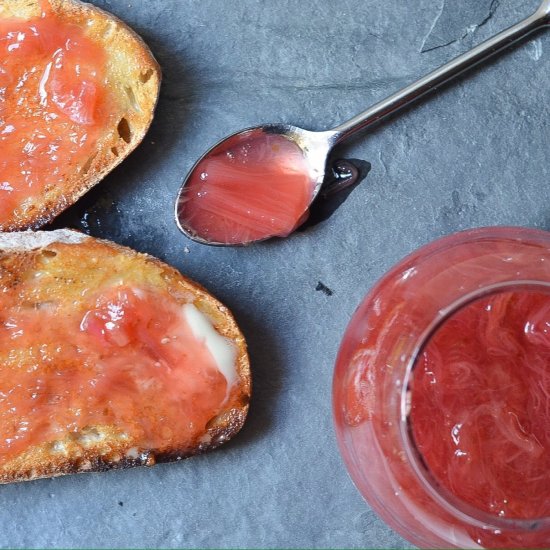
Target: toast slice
point(78, 90)
point(109, 359)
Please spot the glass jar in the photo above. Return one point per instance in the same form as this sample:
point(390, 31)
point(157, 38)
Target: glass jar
point(402, 463)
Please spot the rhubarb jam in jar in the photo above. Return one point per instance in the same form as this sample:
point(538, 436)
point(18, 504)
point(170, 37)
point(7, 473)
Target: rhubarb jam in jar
point(442, 392)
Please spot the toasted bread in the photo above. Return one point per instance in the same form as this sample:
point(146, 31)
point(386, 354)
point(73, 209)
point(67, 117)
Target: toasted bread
point(131, 83)
point(59, 374)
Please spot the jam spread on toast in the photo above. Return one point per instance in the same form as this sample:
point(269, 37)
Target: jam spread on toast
point(250, 188)
point(54, 106)
point(124, 358)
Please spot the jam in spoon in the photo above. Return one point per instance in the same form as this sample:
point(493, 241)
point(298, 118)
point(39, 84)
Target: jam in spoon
point(260, 182)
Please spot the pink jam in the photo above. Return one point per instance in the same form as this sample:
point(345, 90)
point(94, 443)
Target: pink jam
point(125, 358)
point(481, 404)
point(254, 186)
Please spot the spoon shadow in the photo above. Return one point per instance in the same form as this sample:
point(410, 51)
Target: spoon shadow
point(346, 175)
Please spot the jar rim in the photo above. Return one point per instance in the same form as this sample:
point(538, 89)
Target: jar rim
point(451, 503)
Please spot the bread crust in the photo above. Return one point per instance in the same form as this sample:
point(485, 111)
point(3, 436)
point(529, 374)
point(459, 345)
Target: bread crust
point(133, 75)
point(99, 448)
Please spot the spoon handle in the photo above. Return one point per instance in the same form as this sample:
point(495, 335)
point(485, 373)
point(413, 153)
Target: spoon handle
point(445, 73)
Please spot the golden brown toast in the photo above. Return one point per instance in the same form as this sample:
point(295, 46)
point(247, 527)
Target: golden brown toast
point(124, 97)
point(109, 359)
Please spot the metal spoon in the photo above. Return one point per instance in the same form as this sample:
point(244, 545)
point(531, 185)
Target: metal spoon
point(316, 146)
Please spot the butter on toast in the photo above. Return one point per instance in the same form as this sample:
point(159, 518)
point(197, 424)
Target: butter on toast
point(78, 90)
point(109, 359)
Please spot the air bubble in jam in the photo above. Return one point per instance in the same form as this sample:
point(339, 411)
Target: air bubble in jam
point(481, 404)
point(254, 186)
point(126, 357)
point(54, 105)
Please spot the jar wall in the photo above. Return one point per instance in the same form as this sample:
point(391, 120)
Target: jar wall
point(379, 345)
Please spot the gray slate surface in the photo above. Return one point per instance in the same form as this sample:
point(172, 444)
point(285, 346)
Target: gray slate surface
point(472, 155)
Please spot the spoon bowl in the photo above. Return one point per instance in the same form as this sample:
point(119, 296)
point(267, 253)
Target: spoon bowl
point(288, 167)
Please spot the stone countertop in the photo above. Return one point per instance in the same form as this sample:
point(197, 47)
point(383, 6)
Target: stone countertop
point(474, 154)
